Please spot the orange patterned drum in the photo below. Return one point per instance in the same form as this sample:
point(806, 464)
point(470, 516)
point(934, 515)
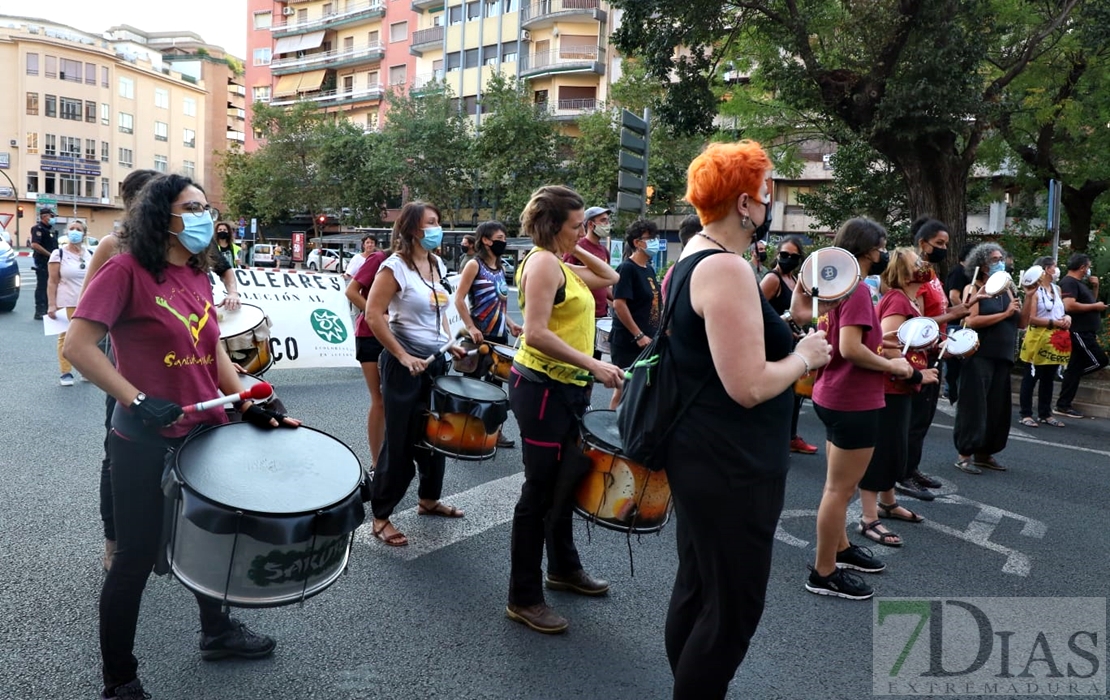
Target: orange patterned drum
point(804, 385)
point(465, 418)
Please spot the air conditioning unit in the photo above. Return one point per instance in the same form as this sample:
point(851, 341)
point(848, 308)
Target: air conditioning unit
point(525, 35)
point(288, 11)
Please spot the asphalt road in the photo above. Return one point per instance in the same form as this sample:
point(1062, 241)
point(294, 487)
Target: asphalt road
point(428, 621)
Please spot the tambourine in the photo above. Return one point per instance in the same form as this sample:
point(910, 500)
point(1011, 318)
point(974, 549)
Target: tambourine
point(998, 283)
point(918, 334)
point(829, 275)
point(961, 343)
point(1032, 276)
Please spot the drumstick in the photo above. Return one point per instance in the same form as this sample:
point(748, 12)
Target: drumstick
point(258, 392)
point(446, 346)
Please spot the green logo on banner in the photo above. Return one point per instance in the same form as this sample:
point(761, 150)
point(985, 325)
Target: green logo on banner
point(329, 326)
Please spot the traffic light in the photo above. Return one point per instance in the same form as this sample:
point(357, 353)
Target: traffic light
point(322, 219)
point(19, 211)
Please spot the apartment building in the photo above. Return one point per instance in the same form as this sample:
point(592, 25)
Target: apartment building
point(83, 111)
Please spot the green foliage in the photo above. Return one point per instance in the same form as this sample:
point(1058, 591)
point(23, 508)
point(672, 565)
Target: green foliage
point(235, 65)
point(593, 169)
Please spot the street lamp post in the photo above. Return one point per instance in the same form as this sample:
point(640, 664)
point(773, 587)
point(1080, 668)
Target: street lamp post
point(15, 194)
point(73, 178)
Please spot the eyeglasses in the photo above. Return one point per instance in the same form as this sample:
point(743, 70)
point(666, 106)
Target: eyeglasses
point(198, 208)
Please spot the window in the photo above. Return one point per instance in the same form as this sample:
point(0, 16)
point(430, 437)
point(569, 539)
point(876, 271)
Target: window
point(161, 131)
point(489, 56)
point(508, 6)
point(105, 187)
point(262, 56)
point(492, 8)
point(32, 142)
point(105, 150)
point(455, 14)
point(105, 113)
point(50, 146)
point(261, 93)
point(373, 80)
point(397, 75)
point(470, 104)
point(161, 163)
point(32, 103)
point(126, 157)
point(374, 38)
point(50, 182)
point(399, 31)
point(189, 107)
point(190, 138)
point(473, 10)
point(263, 20)
point(327, 9)
point(71, 70)
point(69, 186)
point(161, 98)
point(348, 84)
point(90, 74)
point(127, 88)
point(90, 150)
point(32, 182)
point(508, 52)
point(578, 46)
point(188, 168)
point(51, 67)
point(90, 187)
point(126, 123)
point(90, 111)
point(72, 109)
point(454, 61)
point(372, 121)
point(470, 58)
point(32, 64)
point(71, 146)
point(348, 43)
point(104, 76)
point(51, 106)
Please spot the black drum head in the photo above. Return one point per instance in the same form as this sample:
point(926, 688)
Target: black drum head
point(470, 388)
point(600, 428)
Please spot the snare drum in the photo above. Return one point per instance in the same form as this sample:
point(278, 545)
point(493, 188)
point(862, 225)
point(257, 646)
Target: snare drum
point(262, 518)
point(961, 343)
point(502, 356)
point(617, 493)
point(829, 274)
point(918, 333)
point(465, 418)
point(804, 385)
point(245, 334)
point(601, 335)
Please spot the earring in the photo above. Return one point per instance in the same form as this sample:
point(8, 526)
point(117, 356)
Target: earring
point(746, 222)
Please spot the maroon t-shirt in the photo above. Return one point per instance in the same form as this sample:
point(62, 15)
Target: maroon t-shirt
point(365, 278)
point(164, 334)
point(895, 303)
point(841, 385)
point(601, 296)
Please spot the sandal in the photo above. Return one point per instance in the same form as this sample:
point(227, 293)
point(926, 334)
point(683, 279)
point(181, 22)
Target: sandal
point(989, 462)
point(397, 539)
point(441, 509)
point(1028, 422)
point(887, 511)
point(1053, 422)
point(871, 531)
point(965, 465)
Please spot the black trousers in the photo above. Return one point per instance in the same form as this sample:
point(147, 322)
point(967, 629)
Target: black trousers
point(137, 493)
point(888, 461)
point(794, 418)
point(547, 413)
point(405, 400)
point(725, 532)
point(1046, 375)
point(42, 277)
point(922, 412)
point(1086, 357)
point(106, 515)
point(982, 424)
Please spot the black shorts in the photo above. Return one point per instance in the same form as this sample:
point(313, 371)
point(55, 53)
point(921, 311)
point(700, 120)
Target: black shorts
point(367, 349)
point(850, 430)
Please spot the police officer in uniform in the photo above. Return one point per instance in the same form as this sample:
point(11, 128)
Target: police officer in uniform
point(43, 241)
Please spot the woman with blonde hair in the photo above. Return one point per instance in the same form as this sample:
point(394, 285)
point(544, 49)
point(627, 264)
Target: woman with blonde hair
point(726, 459)
point(66, 270)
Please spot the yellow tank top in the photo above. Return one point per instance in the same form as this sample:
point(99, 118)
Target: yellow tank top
point(572, 319)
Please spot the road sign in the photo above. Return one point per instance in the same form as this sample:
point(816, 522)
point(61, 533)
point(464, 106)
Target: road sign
point(633, 163)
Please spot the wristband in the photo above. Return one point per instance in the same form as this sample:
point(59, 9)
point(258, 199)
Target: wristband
point(914, 378)
point(804, 362)
point(637, 338)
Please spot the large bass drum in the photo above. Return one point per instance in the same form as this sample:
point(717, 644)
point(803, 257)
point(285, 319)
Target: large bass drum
point(262, 518)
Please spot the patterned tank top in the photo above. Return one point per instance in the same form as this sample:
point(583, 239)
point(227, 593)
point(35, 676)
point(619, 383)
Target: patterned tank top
point(572, 319)
point(488, 297)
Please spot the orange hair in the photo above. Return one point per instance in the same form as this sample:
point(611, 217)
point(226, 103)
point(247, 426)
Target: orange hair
point(722, 173)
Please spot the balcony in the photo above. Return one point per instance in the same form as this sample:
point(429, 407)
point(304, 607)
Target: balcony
point(331, 98)
point(547, 12)
point(571, 110)
point(422, 5)
point(424, 81)
point(424, 39)
point(288, 26)
point(566, 59)
point(328, 59)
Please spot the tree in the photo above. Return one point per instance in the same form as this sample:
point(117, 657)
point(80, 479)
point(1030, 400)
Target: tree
point(593, 169)
point(920, 81)
point(517, 149)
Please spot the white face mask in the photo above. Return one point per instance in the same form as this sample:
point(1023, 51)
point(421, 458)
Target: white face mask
point(1055, 274)
point(602, 230)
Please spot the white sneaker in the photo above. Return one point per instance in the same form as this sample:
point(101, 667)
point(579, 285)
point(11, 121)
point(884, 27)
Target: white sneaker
point(66, 379)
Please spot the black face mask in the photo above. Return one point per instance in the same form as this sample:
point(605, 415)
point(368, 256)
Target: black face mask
point(763, 229)
point(878, 267)
point(938, 255)
point(789, 262)
point(498, 247)
point(762, 255)
point(1010, 268)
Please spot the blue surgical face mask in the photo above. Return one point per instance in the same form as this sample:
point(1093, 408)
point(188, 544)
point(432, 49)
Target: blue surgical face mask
point(653, 246)
point(433, 237)
point(75, 236)
point(199, 229)
point(997, 267)
point(52, 220)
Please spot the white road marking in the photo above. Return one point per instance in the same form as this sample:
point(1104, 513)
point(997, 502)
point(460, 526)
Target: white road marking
point(1022, 437)
point(487, 506)
point(951, 412)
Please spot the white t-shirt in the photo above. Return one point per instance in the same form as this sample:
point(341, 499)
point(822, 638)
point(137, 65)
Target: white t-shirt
point(72, 274)
point(1050, 304)
point(354, 265)
point(417, 312)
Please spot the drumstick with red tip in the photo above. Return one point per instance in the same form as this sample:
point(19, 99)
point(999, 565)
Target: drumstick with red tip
point(258, 392)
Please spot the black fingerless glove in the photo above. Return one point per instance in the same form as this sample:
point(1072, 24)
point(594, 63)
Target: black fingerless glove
point(261, 417)
point(157, 413)
point(915, 378)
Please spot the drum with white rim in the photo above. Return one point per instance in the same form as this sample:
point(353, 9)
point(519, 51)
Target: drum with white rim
point(918, 333)
point(961, 343)
point(998, 283)
point(601, 335)
point(262, 518)
point(829, 274)
point(245, 334)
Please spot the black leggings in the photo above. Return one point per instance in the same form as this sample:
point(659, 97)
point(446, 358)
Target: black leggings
point(106, 515)
point(921, 418)
point(888, 461)
point(547, 413)
point(1046, 375)
point(137, 492)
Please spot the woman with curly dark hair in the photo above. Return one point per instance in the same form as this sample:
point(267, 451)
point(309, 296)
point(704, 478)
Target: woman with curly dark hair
point(156, 301)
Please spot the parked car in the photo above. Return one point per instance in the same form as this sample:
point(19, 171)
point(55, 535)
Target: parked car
point(510, 269)
point(91, 242)
point(324, 259)
point(9, 278)
point(264, 255)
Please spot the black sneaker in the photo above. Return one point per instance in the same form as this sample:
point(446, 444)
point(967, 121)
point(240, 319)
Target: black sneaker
point(239, 641)
point(860, 559)
point(1071, 412)
point(840, 584)
point(924, 480)
point(912, 488)
point(127, 691)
